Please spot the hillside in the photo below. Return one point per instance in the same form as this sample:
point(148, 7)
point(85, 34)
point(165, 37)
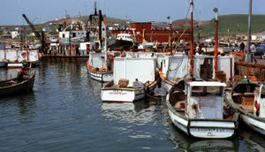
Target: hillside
point(235, 24)
point(228, 24)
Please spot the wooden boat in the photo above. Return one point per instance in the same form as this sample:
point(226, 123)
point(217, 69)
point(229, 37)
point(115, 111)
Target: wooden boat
point(249, 99)
point(13, 87)
point(98, 67)
point(129, 84)
point(198, 111)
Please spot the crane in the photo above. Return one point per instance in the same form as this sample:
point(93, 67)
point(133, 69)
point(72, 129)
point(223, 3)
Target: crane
point(39, 35)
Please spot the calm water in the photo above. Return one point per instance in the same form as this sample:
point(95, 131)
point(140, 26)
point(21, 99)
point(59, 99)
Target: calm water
point(65, 113)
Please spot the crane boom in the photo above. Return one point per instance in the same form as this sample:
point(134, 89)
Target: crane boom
point(37, 34)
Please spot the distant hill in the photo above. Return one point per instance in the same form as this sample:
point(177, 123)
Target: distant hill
point(235, 24)
point(228, 24)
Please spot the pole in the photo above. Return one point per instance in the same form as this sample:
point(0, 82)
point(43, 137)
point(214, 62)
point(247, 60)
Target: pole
point(191, 34)
point(216, 40)
point(248, 56)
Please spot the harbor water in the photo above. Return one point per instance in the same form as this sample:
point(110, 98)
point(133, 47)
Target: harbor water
point(64, 113)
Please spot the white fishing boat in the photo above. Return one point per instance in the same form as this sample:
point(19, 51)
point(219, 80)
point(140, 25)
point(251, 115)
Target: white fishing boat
point(99, 66)
point(249, 99)
point(130, 80)
point(198, 107)
point(199, 110)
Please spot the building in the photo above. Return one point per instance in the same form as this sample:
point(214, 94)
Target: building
point(144, 31)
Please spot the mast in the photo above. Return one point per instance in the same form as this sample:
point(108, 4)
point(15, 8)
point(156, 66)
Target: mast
point(248, 56)
point(191, 34)
point(216, 40)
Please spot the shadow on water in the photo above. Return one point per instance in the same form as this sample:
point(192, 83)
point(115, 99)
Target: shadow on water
point(182, 141)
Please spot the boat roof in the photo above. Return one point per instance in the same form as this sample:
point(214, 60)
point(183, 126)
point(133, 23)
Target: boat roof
point(206, 83)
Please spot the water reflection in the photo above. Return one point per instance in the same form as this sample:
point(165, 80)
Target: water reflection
point(183, 141)
point(6, 74)
point(139, 112)
point(253, 140)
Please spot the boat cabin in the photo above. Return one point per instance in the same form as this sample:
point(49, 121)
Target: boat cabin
point(201, 100)
point(205, 100)
point(98, 61)
point(134, 69)
point(124, 37)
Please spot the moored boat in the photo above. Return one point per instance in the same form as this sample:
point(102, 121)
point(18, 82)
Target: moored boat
point(14, 87)
point(199, 110)
point(130, 80)
point(249, 99)
point(99, 66)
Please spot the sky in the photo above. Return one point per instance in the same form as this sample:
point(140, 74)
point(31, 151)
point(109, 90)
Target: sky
point(40, 11)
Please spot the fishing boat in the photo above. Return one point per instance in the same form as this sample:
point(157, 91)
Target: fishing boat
point(99, 66)
point(14, 87)
point(130, 79)
point(248, 98)
point(197, 107)
point(199, 110)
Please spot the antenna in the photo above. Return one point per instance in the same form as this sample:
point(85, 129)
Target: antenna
point(95, 8)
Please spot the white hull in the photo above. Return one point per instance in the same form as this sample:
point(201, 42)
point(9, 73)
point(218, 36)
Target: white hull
point(256, 124)
point(166, 85)
point(203, 128)
point(121, 94)
point(102, 77)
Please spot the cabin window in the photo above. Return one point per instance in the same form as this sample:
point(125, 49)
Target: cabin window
point(63, 35)
point(207, 91)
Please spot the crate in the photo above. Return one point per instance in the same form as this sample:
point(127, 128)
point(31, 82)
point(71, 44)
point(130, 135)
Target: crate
point(123, 83)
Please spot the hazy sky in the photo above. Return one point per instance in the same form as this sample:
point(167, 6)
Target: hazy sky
point(39, 11)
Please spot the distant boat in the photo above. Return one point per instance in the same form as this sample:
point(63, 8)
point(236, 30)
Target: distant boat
point(123, 41)
point(13, 87)
point(99, 66)
point(249, 99)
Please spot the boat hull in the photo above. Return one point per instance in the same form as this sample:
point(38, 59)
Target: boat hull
point(203, 128)
point(23, 87)
point(121, 94)
point(102, 77)
point(256, 124)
